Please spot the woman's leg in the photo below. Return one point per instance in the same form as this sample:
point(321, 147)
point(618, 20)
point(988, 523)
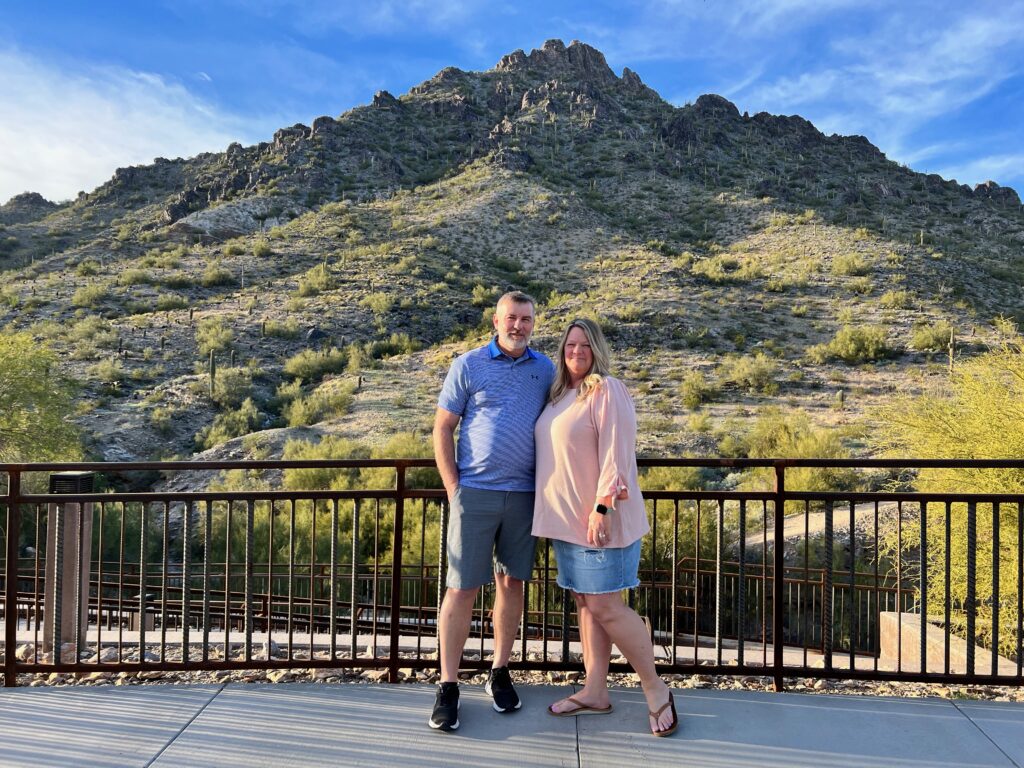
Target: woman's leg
point(628, 632)
point(597, 651)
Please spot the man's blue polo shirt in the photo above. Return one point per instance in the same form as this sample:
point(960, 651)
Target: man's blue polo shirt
point(499, 399)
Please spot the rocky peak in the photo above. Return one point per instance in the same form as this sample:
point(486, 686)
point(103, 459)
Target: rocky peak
point(555, 58)
point(26, 207)
point(713, 106)
point(632, 83)
point(989, 190)
point(383, 99)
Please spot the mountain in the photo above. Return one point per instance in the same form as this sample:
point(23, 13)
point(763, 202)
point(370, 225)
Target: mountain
point(736, 261)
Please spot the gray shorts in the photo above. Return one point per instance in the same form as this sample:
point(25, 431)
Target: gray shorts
point(488, 532)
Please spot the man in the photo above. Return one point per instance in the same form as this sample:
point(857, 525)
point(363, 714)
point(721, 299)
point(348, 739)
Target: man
point(494, 394)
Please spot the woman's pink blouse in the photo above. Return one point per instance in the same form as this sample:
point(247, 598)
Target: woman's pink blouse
point(585, 449)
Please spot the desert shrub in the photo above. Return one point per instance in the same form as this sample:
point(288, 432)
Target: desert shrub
point(311, 365)
point(695, 389)
point(178, 279)
point(213, 334)
point(166, 302)
point(673, 478)
point(215, 275)
point(483, 296)
point(1006, 327)
point(755, 373)
point(895, 300)
point(850, 265)
point(87, 268)
point(95, 330)
point(315, 281)
point(229, 425)
point(379, 303)
point(232, 386)
point(261, 248)
point(282, 329)
point(109, 372)
point(790, 434)
point(853, 344)
point(314, 478)
point(395, 344)
point(329, 401)
point(90, 296)
point(860, 285)
point(135, 277)
point(931, 337)
point(727, 267)
point(160, 419)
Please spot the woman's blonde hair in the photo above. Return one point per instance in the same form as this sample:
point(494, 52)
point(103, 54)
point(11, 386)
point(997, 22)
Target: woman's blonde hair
point(600, 367)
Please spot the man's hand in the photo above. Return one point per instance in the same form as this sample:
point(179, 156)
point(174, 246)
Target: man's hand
point(445, 423)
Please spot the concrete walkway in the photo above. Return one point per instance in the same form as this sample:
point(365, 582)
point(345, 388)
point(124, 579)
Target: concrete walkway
point(385, 725)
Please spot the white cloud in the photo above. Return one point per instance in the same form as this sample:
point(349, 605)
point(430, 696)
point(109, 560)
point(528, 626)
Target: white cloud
point(65, 131)
point(1007, 168)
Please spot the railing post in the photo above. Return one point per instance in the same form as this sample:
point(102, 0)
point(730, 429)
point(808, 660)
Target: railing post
point(68, 556)
point(778, 575)
point(11, 577)
point(972, 572)
point(827, 618)
point(396, 571)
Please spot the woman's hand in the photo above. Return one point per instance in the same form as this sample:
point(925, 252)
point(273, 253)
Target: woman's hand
point(597, 530)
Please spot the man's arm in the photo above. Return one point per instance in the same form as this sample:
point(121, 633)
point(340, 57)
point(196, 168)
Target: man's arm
point(445, 423)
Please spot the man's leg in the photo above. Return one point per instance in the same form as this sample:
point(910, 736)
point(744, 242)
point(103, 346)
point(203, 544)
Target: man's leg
point(453, 629)
point(508, 611)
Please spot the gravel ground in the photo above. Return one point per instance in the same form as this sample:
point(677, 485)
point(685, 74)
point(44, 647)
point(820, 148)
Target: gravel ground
point(329, 675)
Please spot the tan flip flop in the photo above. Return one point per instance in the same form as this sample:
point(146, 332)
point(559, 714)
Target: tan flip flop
point(581, 709)
point(675, 718)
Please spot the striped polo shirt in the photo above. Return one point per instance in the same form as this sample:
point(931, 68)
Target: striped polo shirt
point(499, 399)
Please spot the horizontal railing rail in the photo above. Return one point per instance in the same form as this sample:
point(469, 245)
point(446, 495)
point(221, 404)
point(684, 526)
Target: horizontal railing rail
point(856, 584)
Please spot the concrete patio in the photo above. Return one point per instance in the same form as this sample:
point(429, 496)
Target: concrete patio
point(385, 725)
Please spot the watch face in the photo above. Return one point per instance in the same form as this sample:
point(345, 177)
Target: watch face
point(601, 509)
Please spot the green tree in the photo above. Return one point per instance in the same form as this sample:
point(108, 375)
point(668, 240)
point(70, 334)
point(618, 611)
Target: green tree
point(978, 415)
point(36, 403)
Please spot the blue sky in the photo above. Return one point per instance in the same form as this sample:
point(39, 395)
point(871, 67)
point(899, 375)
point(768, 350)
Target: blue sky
point(88, 87)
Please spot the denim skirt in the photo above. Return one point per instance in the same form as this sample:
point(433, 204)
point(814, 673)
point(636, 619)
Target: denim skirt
point(594, 570)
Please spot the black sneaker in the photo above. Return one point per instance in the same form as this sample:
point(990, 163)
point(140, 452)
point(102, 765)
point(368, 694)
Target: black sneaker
point(445, 716)
point(499, 686)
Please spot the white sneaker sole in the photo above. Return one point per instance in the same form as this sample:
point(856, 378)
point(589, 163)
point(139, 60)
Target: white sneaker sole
point(453, 727)
point(494, 705)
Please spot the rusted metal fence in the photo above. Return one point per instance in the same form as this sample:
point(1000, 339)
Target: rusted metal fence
point(866, 585)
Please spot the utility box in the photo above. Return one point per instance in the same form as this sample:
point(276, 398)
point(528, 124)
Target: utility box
point(68, 558)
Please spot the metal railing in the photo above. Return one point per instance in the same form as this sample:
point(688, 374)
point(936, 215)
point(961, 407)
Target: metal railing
point(867, 585)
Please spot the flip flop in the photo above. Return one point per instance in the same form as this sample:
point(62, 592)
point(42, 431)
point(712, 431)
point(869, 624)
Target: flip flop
point(675, 718)
point(581, 709)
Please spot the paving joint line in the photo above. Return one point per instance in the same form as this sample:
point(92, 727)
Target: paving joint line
point(982, 732)
point(183, 728)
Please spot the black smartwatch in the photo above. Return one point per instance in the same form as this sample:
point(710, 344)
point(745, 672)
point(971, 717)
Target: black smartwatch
point(601, 509)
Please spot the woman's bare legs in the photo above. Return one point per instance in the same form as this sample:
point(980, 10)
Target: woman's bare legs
point(597, 651)
point(622, 626)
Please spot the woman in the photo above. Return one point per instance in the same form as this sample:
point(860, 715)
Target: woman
point(589, 505)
